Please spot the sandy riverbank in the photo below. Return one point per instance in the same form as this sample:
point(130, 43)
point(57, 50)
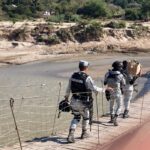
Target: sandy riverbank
point(19, 52)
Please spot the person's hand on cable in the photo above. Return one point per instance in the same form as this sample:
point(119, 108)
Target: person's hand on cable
point(133, 80)
point(66, 98)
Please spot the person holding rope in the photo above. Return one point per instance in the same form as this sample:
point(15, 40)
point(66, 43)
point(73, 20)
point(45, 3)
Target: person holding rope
point(81, 86)
point(115, 82)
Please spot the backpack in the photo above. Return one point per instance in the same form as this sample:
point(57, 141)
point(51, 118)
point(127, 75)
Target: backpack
point(134, 67)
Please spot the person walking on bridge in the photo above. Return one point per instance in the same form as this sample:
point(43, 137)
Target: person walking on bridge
point(81, 86)
point(115, 81)
point(128, 89)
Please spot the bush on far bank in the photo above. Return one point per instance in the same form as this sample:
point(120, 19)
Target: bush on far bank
point(132, 14)
point(75, 10)
point(116, 24)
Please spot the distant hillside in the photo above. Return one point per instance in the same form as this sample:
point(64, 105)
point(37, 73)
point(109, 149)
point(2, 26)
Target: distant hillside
point(74, 10)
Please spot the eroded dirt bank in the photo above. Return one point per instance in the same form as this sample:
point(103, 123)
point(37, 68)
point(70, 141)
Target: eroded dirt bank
point(26, 41)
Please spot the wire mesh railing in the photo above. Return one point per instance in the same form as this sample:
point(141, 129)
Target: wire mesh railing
point(36, 114)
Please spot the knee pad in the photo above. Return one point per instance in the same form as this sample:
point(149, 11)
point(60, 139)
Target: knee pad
point(77, 117)
point(84, 118)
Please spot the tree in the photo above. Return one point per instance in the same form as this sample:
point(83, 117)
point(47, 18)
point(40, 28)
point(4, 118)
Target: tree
point(146, 9)
point(132, 14)
point(94, 8)
point(122, 3)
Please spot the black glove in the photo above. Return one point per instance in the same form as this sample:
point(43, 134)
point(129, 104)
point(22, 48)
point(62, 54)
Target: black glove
point(107, 94)
point(66, 98)
point(133, 80)
point(122, 92)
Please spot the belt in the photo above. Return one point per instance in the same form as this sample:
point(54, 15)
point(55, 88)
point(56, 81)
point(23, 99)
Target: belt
point(80, 97)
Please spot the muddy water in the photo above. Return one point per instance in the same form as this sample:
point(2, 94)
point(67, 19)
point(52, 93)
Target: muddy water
point(35, 91)
point(34, 87)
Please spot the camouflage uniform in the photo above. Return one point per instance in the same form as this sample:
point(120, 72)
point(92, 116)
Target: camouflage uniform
point(115, 82)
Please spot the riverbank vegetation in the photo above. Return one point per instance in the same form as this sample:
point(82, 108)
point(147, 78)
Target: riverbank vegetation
point(74, 11)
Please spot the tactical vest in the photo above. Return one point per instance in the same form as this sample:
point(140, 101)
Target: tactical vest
point(78, 85)
point(113, 81)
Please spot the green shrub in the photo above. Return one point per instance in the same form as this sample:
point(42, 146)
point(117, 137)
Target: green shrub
point(116, 25)
point(145, 10)
point(64, 35)
point(96, 24)
point(40, 39)
point(53, 39)
point(132, 14)
point(56, 18)
point(122, 24)
point(72, 18)
point(87, 31)
point(94, 8)
point(115, 11)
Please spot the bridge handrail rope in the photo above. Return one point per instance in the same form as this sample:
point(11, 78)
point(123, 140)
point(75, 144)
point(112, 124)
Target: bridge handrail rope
point(28, 111)
point(30, 85)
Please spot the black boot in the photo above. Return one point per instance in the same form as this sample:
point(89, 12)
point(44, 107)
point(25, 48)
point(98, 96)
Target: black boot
point(125, 114)
point(111, 119)
point(70, 138)
point(84, 134)
point(115, 120)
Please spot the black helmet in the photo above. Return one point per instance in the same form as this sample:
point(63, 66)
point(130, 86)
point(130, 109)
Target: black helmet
point(125, 64)
point(117, 65)
point(64, 106)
